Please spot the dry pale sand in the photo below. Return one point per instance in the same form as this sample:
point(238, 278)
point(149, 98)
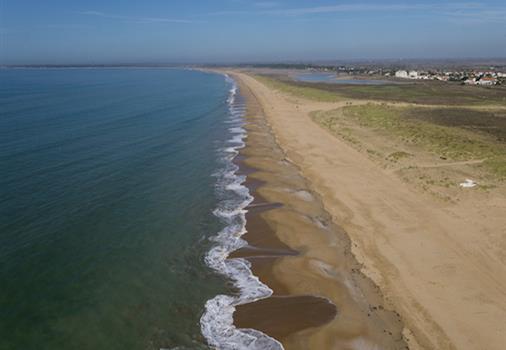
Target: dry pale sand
point(441, 266)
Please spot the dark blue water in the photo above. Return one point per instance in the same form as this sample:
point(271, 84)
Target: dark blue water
point(106, 200)
point(332, 79)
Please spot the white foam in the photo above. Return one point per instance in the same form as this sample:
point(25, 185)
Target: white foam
point(217, 321)
point(237, 130)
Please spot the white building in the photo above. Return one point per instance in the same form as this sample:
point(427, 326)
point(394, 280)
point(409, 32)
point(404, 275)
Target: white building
point(413, 74)
point(487, 81)
point(401, 74)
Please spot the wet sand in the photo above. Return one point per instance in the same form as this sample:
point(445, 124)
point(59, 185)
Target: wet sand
point(321, 299)
point(286, 315)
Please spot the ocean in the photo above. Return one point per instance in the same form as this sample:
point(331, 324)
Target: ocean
point(119, 201)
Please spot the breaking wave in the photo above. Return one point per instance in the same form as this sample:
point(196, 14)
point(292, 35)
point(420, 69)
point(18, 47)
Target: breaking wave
point(217, 321)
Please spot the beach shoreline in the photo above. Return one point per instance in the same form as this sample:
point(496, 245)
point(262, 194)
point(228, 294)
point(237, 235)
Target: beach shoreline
point(430, 266)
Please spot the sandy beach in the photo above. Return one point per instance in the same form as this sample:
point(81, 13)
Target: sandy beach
point(338, 232)
point(320, 300)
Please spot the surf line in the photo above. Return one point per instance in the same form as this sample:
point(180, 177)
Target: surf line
point(217, 324)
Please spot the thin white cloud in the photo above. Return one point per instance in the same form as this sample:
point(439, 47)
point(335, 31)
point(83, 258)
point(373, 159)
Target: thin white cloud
point(135, 19)
point(465, 11)
point(65, 26)
point(344, 8)
point(266, 4)
point(377, 8)
point(481, 16)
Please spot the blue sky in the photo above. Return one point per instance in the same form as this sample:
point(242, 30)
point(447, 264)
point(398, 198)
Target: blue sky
point(93, 31)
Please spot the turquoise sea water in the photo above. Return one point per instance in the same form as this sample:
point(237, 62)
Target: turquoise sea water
point(106, 206)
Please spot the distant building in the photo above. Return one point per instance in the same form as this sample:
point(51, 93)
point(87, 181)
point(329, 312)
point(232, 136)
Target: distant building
point(487, 81)
point(413, 74)
point(401, 74)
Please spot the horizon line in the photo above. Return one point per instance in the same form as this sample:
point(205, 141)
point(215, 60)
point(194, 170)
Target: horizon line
point(257, 62)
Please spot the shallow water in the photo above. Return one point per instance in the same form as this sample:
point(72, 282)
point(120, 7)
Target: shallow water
point(106, 206)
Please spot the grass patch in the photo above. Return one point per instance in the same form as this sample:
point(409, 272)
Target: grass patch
point(307, 92)
point(450, 142)
point(374, 153)
point(428, 92)
point(497, 165)
point(396, 156)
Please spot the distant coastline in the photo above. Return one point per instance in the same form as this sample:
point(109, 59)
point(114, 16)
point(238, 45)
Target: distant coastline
point(287, 64)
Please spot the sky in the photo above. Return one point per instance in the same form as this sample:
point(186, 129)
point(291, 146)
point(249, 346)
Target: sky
point(201, 31)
